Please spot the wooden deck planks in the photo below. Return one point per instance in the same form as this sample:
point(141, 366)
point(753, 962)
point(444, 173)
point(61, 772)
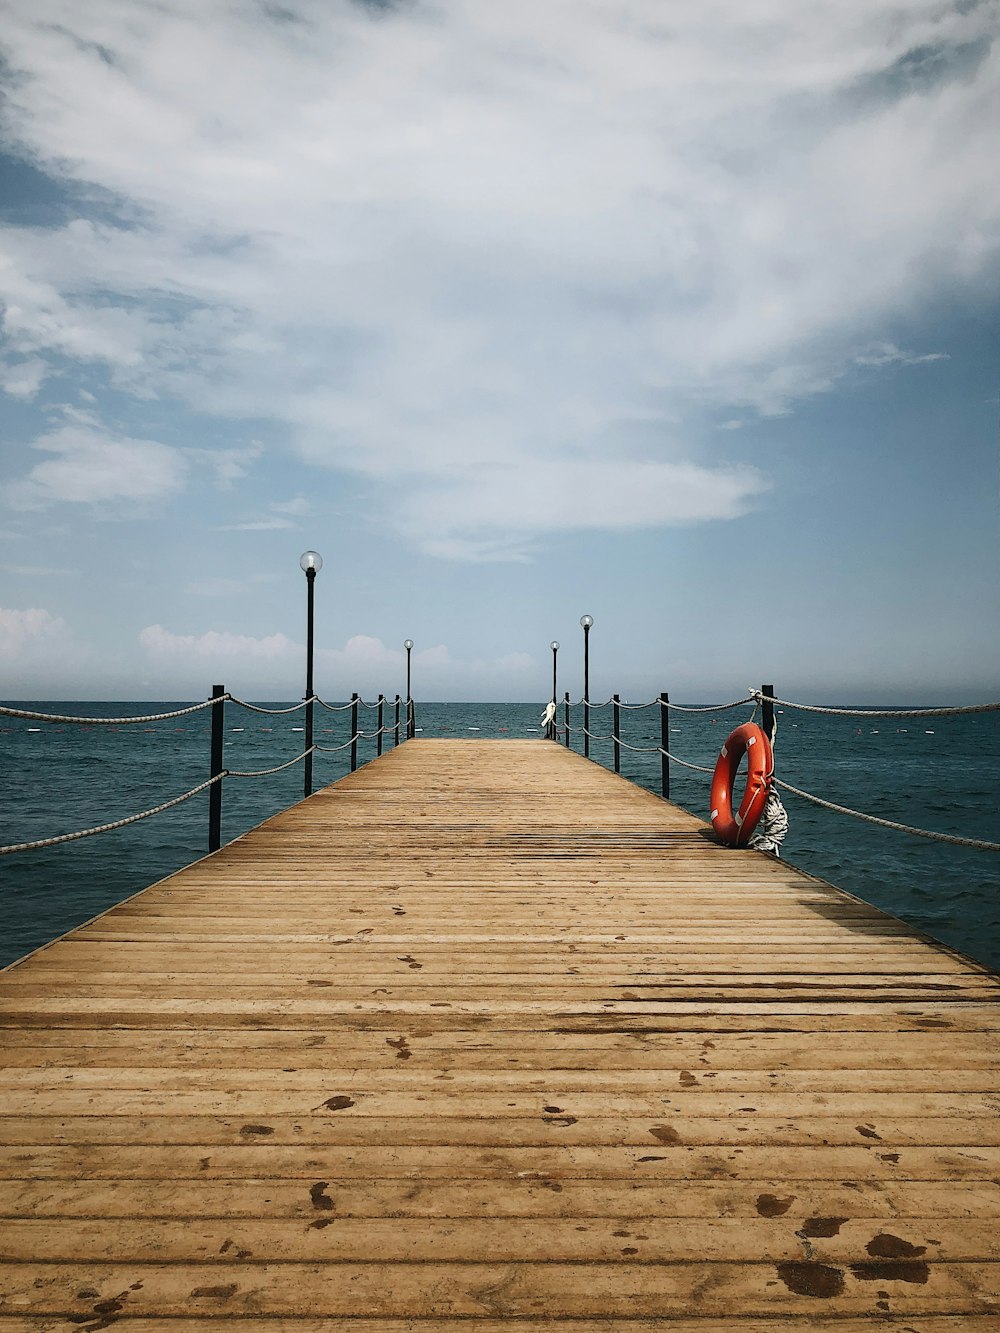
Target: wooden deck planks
point(483, 1036)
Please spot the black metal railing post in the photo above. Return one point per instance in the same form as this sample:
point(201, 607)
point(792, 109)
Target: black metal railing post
point(215, 791)
point(767, 712)
point(354, 731)
point(566, 717)
point(311, 563)
point(586, 622)
point(381, 710)
point(396, 725)
point(665, 744)
point(411, 719)
point(616, 724)
point(408, 645)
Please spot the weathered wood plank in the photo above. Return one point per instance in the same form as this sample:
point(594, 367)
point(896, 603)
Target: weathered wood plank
point(472, 1290)
point(527, 1195)
point(504, 1131)
point(781, 1164)
point(592, 1239)
point(512, 1324)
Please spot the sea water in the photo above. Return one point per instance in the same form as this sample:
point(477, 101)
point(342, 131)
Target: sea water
point(936, 773)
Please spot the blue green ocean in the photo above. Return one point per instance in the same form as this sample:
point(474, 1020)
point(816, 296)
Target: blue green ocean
point(937, 773)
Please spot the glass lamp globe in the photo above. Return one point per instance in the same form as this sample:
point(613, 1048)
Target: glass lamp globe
point(408, 644)
point(310, 560)
point(554, 645)
point(586, 621)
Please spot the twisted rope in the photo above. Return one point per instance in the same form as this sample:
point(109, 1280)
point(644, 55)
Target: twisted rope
point(582, 731)
point(333, 749)
point(878, 712)
point(636, 749)
point(718, 708)
point(110, 721)
point(683, 762)
point(889, 823)
point(333, 708)
point(976, 843)
point(271, 712)
point(106, 828)
point(266, 772)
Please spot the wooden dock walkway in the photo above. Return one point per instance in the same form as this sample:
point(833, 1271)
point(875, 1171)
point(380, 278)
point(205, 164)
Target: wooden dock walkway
point(483, 1037)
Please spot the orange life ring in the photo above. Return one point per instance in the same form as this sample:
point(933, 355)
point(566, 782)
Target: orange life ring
point(749, 740)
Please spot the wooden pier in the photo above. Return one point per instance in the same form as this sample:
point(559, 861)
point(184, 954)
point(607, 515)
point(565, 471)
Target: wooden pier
point(483, 1037)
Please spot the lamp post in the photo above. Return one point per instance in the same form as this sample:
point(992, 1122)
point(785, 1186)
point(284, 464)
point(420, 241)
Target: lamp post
point(311, 562)
point(586, 622)
point(552, 731)
point(408, 645)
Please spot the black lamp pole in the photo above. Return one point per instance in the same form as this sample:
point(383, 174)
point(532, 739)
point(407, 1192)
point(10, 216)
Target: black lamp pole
point(586, 622)
point(408, 645)
point(311, 563)
point(554, 645)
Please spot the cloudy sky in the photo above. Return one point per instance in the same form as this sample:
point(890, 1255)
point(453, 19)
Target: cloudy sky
point(682, 315)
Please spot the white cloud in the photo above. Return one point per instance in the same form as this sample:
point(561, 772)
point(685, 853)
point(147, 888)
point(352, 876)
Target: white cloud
point(22, 379)
point(93, 467)
point(41, 571)
point(361, 654)
point(24, 633)
point(227, 465)
point(98, 466)
point(888, 354)
point(530, 497)
point(282, 515)
point(258, 525)
point(518, 664)
point(447, 238)
point(299, 505)
point(225, 587)
point(218, 646)
point(364, 663)
point(437, 656)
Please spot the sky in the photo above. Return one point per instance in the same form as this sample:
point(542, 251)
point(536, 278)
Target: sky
point(686, 317)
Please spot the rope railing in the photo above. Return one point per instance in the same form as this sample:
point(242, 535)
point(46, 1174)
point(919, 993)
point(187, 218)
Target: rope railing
point(878, 712)
point(220, 697)
point(594, 736)
point(335, 749)
point(765, 699)
point(333, 708)
point(951, 838)
point(270, 712)
point(684, 763)
point(31, 716)
point(954, 839)
point(757, 698)
point(115, 824)
point(716, 708)
point(750, 697)
point(658, 749)
point(268, 772)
